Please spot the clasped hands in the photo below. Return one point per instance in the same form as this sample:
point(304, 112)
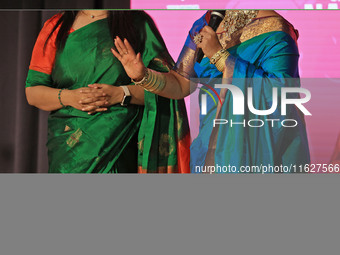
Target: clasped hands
point(96, 97)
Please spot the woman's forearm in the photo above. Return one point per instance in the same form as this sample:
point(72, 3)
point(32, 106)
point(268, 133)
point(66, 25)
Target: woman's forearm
point(137, 94)
point(85, 99)
point(46, 98)
point(176, 86)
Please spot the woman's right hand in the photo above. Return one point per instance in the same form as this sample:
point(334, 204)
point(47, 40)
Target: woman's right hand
point(132, 63)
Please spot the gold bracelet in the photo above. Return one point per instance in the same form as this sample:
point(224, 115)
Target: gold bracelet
point(218, 55)
point(152, 81)
point(221, 62)
point(159, 82)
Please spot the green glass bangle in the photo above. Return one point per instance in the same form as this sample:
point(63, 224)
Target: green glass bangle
point(59, 94)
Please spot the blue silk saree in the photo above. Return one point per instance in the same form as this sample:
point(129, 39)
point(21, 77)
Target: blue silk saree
point(263, 56)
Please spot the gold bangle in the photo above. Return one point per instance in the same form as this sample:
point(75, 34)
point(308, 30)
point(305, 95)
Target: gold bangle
point(159, 82)
point(218, 55)
point(152, 81)
point(221, 61)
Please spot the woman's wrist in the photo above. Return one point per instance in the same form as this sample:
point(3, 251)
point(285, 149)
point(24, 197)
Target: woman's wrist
point(116, 94)
point(219, 58)
point(141, 78)
point(217, 49)
point(121, 95)
point(152, 81)
point(64, 97)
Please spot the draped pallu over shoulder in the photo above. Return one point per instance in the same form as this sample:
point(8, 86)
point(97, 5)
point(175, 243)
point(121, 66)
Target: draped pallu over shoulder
point(263, 56)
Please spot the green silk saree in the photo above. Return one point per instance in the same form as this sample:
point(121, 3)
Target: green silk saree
point(154, 138)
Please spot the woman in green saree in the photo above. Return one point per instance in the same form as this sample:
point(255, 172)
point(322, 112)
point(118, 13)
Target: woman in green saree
point(96, 124)
point(251, 49)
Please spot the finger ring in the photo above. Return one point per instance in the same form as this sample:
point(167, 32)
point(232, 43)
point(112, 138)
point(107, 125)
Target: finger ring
point(125, 52)
point(198, 38)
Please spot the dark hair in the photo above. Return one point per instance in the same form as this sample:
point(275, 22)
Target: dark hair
point(121, 23)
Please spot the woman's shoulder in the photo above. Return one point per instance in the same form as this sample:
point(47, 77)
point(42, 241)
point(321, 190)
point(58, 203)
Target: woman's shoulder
point(267, 24)
point(48, 28)
point(51, 22)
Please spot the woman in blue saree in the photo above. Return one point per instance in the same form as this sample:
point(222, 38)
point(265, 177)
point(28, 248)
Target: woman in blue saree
point(250, 49)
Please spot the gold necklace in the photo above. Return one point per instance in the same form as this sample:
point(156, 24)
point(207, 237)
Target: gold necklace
point(93, 16)
point(237, 19)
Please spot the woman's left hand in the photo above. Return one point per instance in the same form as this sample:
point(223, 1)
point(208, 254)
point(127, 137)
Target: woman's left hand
point(210, 43)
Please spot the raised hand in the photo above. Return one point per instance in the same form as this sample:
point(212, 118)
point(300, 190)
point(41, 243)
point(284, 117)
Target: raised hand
point(132, 63)
point(210, 43)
